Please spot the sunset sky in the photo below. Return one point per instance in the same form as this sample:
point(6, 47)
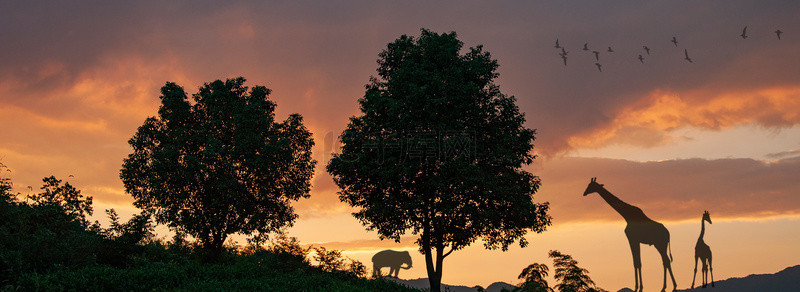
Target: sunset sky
point(674, 138)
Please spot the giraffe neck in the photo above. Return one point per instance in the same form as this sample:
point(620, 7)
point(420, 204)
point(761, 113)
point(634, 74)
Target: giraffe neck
point(627, 211)
point(702, 229)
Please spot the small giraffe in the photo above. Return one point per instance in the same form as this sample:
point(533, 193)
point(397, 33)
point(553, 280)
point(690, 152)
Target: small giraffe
point(640, 229)
point(703, 252)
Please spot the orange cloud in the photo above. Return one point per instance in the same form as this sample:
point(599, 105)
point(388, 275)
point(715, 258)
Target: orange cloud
point(650, 121)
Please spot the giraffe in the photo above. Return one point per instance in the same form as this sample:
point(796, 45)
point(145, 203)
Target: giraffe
point(640, 229)
point(703, 252)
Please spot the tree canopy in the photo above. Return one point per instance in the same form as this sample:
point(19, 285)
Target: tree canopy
point(221, 164)
point(571, 277)
point(438, 152)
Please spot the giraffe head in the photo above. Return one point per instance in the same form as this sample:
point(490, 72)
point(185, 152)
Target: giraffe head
point(593, 187)
point(707, 217)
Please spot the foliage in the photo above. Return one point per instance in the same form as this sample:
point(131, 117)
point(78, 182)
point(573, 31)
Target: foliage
point(332, 260)
point(221, 165)
point(438, 151)
point(329, 260)
point(263, 271)
point(571, 277)
point(65, 197)
point(533, 277)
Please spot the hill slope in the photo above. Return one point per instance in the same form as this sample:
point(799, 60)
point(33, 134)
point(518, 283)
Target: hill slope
point(786, 280)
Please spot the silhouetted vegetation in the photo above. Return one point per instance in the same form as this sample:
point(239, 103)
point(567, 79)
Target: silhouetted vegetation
point(533, 278)
point(221, 165)
point(47, 244)
point(569, 276)
point(438, 151)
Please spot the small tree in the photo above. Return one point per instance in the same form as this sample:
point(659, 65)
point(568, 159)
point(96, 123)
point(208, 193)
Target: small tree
point(221, 165)
point(66, 197)
point(533, 278)
point(569, 276)
point(438, 151)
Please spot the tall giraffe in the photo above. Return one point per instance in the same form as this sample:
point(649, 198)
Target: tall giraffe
point(640, 229)
point(703, 252)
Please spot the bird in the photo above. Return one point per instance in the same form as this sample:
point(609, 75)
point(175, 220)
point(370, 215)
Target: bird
point(71, 175)
point(641, 59)
point(686, 53)
point(610, 50)
point(598, 67)
point(586, 46)
point(778, 32)
point(596, 55)
point(564, 57)
point(675, 41)
point(557, 45)
point(744, 33)
point(563, 51)
point(646, 49)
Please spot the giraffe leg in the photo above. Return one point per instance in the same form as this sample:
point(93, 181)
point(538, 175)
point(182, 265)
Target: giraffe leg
point(695, 271)
point(711, 270)
point(705, 272)
point(662, 249)
point(637, 266)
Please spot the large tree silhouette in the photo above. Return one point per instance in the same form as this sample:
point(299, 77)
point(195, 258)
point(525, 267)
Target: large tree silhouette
point(569, 276)
point(219, 165)
point(438, 152)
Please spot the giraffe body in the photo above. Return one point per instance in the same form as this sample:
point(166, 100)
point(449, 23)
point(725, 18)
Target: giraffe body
point(640, 230)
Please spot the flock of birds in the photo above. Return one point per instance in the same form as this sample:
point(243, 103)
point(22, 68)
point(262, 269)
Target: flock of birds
point(646, 49)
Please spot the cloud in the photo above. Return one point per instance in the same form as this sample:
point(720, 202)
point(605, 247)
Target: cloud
point(672, 190)
point(94, 70)
point(784, 154)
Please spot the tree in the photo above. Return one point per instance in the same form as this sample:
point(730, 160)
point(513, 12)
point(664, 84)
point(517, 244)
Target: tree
point(221, 165)
point(66, 197)
point(533, 277)
point(438, 151)
point(571, 277)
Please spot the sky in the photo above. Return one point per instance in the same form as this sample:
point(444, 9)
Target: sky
point(674, 138)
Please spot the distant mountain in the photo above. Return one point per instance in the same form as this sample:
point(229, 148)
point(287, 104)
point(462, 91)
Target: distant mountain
point(422, 283)
point(787, 280)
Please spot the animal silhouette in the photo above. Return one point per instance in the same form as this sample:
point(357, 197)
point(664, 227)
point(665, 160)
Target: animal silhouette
point(392, 259)
point(564, 57)
point(703, 252)
point(598, 67)
point(646, 49)
point(586, 46)
point(641, 59)
point(744, 33)
point(563, 51)
point(778, 32)
point(610, 50)
point(674, 41)
point(640, 229)
point(557, 45)
point(596, 55)
point(686, 53)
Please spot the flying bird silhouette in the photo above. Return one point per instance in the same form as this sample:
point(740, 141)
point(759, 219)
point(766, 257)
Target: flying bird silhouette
point(557, 45)
point(646, 49)
point(563, 51)
point(744, 33)
point(596, 55)
point(598, 67)
point(641, 59)
point(778, 32)
point(71, 175)
point(610, 50)
point(586, 46)
point(675, 41)
point(686, 53)
point(564, 57)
